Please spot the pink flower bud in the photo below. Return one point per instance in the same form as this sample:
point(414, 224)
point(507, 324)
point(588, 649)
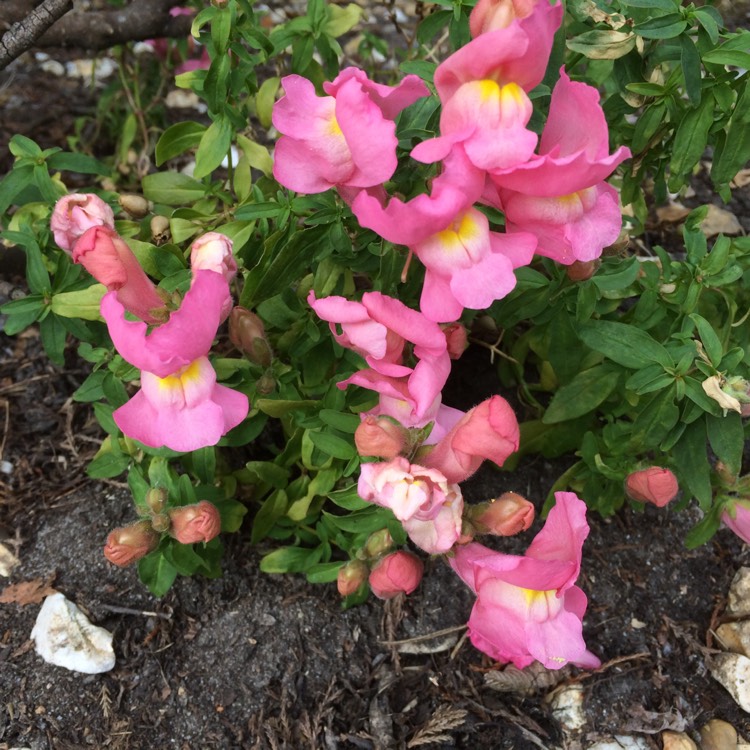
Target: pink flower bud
point(654, 485)
point(399, 572)
point(508, 515)
point(456, 337)
point(156, 499)
point(381, 437)
point(213, 252)
point(130, 543)
point(581, 270)
point(195, 523)
point(737, 518)
point(74, 214)
point(351, 577)
point(107, 257)
point(247, 333)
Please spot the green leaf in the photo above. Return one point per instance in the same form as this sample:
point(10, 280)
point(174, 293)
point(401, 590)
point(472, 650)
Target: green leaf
point(722, 56)
point(692, 464)
point(332, 445)
point(280, 407)
point(691, 69)
point(273, 508)
point(251, 211)
point(177, 139)
point(340, 420)
point(691, 137)
point(82, 304)
point(363, 522)
point(53, 336)
point(583, 394)
point(204, 464)
point(602, 45)
point(91, 388)
point(349, 499)
point(268, 472)
point(628, 346)
point(79, 163)
point(655, 419)
point(324, 572)
point(707, 20)
point(285, 560)
point(221, 27)
point(108, 465)
point(727, 439)
point(649, 379)
point(266, 98)
point(172, 188)
point(213, 147)
point(157, 573)
point(711, 344)
point(21, 146)
point(706, 528)
point(232, 512)
point(667, 5)
point(663, 27)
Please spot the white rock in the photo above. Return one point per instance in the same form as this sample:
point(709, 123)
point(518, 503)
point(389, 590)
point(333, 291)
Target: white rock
point(733, 672)
point(567, 708)
point(65, 637)
point(621, 742)
point(739, 593)
point(735, 636)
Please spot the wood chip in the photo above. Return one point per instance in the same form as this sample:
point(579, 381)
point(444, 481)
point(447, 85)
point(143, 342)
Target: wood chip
point(720, 221)
point(8, 561)
point(27, 592)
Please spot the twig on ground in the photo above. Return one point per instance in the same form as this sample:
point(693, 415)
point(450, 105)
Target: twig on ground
point(24, 34)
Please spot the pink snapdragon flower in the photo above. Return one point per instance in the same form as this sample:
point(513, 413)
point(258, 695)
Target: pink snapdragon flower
point(483, 88)
point(180, 404)
point(560, 194)
point(528, 608)
point(490, 15)
point(737, 518)
point(107, 257)
point(397, 573)
point(469, 266)
point(75, 214)
point(428, 506)
point(488, 431)
point(347, 138)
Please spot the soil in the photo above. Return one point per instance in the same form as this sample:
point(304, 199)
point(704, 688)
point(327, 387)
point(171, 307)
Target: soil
point(252, 661)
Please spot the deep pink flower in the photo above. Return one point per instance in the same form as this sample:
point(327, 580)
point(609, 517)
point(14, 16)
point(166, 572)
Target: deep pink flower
point(654, 485)
point(528, 608)
point(183, 411)
point(428, 506)
point(488, 431)
point(347, 138)
point(107, 257)
point(397, 573)
point(186, 336)
point(75, 214)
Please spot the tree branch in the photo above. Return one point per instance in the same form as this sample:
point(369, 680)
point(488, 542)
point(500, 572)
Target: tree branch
point(22, 35)
point(97, 29)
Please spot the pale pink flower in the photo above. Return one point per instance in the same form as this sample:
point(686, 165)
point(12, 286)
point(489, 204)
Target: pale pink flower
point(109, 259)
point(737, 518)
point(528, 608)
point(397, 573)
point(488, 431)
point(428, 506)
point(490, 15)
point(347, 138)
point(213, 252)
point(75, 214)
point(654, 485)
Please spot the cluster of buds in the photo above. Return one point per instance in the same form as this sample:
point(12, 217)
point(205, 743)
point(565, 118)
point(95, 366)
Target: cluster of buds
point(388, 573)
point(188, 524)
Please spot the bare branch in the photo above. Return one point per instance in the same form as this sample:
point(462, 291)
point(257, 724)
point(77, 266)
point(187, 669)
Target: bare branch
point(22, 35)
point(97, 29)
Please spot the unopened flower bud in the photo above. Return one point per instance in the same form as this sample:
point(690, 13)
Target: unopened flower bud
point(456, 337)
point(508, 515)
point(582, 270)
point(156, 499)
point(213, 252)
point(247, 333)
point(381, 437)
point(160, 522)
point(737, 518)
point(399, 572)
point(653, 485)
point(195, 523)
point(134, 205)
point(159, 229)
point(266, 384)
point(351, 577)
point(378, 544)
point(130, 543)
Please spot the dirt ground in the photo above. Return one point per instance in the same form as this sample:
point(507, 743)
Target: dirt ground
point(251, 661)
